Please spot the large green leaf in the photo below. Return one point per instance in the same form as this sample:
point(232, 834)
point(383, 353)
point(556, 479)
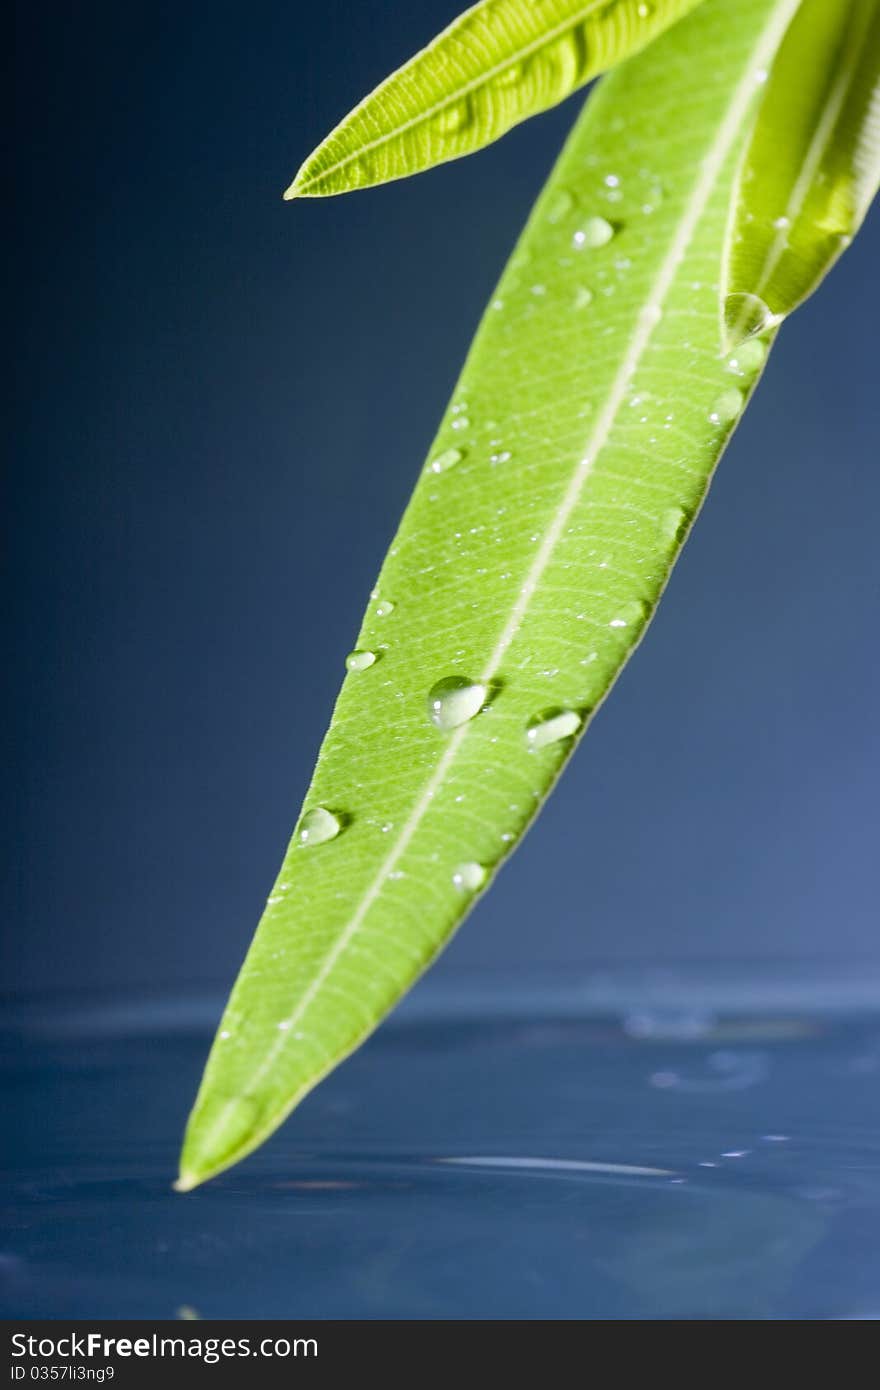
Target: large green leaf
point(577, 449)
point(812, 165)
point(497, 64)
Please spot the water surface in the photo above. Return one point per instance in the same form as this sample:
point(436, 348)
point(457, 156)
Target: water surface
point(637, 1145)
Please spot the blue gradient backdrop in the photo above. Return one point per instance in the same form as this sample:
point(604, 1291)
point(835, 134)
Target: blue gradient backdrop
point(222, 405)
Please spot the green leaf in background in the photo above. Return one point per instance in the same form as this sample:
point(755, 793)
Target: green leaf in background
point(497, 64)
point(812, 165)
point(575, 454)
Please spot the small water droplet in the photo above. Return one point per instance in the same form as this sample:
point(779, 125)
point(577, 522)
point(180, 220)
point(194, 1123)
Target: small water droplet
point(645, 10)
point(448, 459)
point(629, 616)
point(462, 423)
point(673, 523)
point(748, 357)
point(552, 727)
point(652, 194)
point(511, 76)
point(453, 118)
point(318, 826)
point(359, 660)
point(583, 296)
point(560, 203)
point(595, 232)
point(502, 457)
point(454, 700)
point(384, 607)
point(727, 406)
point(469, 876)
point(745, 315)
point(224, 1034)
point(782, 223)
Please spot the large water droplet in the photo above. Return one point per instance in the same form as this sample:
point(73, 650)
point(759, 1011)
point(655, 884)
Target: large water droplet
point(595, 232)
point(384, 607)
point(359, 660)
point(469, 876)
point(455, 700)
point(745, 315)
point(448, 459)
point(552, 727)
point(727, 406)
point(318, 826)
point(747, 358)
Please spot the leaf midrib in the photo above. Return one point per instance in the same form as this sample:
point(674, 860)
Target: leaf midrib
point(711, 166)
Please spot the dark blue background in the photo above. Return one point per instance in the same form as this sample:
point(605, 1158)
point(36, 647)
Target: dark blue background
point(223, 403)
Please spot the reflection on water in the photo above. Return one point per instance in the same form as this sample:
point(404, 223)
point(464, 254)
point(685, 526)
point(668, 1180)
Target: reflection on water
point(541, 1159)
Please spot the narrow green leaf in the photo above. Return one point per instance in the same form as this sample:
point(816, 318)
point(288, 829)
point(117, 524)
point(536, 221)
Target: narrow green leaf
point(577, 449)
point(812, 166)
point(497, 64)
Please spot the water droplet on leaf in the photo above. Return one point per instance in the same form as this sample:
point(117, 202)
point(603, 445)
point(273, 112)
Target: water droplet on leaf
point(560, 203)
point(747, 358)
point(448, 459)
point(745, 315)
point(673, 523)
point(318, 826)
point(631, 615)
point(453, 118)
point(359, 660)
point(455, 700)
point(511, 76)
point(593, 233)
point(469, 876)
point(384, 607)
point(552, 727)
point(727, 406)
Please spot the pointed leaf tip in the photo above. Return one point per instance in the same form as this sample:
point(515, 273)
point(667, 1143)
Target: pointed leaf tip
point(577, 450)
point(497, 64)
